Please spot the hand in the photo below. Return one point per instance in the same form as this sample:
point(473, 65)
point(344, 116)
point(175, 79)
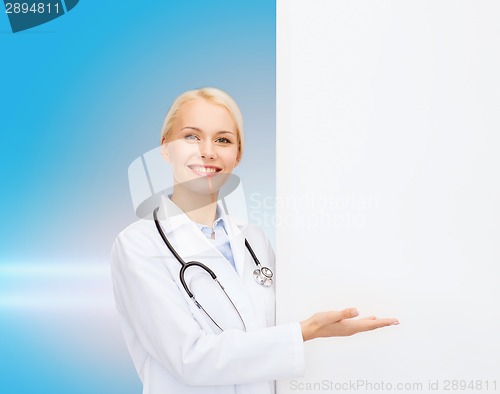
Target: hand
point(340, 324)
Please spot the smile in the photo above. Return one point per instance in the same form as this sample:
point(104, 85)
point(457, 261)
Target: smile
point(205, 170)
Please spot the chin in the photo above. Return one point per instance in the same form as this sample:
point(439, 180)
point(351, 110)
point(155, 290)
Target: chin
point(206, 185)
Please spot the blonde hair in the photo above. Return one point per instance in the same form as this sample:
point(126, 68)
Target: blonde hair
point(212, 95)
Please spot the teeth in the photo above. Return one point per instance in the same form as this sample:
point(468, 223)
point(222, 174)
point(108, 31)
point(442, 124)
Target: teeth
point(204, 169)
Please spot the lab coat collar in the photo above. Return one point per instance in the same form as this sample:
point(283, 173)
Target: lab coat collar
point(173, 218)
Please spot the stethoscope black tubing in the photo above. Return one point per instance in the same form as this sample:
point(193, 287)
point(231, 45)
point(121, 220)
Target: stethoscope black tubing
point(257, 262)
point(185, 265)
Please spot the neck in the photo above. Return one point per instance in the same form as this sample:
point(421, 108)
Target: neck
point(201, 208)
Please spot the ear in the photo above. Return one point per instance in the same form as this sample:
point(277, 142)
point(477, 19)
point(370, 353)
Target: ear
point(164, 152)
point(238, 158)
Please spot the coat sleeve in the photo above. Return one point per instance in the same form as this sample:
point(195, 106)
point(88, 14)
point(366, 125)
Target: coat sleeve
point(151, 303)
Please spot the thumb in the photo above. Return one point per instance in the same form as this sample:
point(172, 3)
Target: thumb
point(348, 313)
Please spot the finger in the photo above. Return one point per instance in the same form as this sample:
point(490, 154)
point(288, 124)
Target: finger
point(347, 313)
point(372, 324)
point(332, 317)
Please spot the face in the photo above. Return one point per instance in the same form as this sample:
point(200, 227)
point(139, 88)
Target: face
point(202, 146)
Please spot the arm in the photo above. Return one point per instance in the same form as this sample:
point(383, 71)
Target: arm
point(340, 323)
point(150, 301)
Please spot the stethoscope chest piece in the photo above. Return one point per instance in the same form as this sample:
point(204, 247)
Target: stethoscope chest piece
point(263, 276)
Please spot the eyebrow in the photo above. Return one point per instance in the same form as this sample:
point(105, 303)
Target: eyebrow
point(200, 130)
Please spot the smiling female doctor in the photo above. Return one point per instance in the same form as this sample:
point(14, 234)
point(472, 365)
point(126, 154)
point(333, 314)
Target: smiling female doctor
point(223, 339)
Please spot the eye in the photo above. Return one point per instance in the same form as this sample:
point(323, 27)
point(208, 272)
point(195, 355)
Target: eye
point(224, 140)
point(191, 137)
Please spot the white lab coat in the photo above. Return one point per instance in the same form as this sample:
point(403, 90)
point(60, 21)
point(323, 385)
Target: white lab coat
point(174, 346)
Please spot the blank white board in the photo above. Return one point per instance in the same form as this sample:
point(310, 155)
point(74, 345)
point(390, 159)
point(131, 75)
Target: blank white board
point(388, 141)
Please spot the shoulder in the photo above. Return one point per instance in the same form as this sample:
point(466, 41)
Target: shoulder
point(248, 230)
point(137, 238)
point(257, 237)
point(140, 228)
point(254, 232)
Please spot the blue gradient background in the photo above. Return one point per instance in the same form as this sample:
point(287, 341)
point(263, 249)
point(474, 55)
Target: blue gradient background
point(81, 98)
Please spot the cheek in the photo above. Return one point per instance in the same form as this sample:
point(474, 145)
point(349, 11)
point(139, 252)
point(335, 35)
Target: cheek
point(231, 159)
point(181, 153)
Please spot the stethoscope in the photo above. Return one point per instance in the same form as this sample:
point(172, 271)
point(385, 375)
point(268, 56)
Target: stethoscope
point(262, 275)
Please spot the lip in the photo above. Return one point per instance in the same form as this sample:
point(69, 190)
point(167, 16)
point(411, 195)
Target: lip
point(204, 170)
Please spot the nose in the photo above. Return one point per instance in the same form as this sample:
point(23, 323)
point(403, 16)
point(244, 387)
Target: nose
point(207, 150)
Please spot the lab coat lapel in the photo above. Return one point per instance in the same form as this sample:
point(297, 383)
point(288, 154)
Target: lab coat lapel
point(241, 259)
point(237, 242)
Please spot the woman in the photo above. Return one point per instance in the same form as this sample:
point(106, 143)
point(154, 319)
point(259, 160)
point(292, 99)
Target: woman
point(222, 340)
